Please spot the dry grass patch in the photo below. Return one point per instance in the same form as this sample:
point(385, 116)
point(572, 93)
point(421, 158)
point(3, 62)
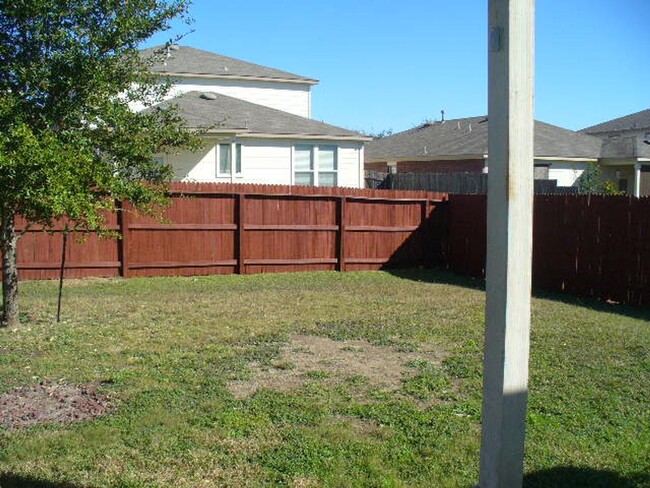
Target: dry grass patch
point(306, 357)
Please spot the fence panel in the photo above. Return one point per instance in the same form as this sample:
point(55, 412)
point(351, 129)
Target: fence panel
point(197, 237)
point(384, 233)
point(289, 233)
point(39, 252)
point(467, 234)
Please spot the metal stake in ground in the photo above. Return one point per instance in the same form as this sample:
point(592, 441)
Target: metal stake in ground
point(509, 242)
point(61, 273)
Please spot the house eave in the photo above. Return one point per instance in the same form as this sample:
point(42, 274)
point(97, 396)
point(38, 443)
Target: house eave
point(426, 158)
point(324, 137)
point(571, 160)
point(245, 133)
point(210, 76)
point(622, 161)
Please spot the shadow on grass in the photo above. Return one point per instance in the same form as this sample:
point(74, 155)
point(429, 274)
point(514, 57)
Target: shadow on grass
point(437, 275)
point(19, 481)
point(573, 477)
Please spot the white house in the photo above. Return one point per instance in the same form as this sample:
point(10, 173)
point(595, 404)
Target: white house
point(257, 124)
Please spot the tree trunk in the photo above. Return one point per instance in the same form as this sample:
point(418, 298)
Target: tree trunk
point(8, 242)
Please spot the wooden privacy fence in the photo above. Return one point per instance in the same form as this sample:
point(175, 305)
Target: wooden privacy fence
point(597, 246)
point(220, 229)
point(587, 245)
point(464, 183)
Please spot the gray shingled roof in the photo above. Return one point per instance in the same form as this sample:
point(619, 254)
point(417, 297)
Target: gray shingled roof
point(636, 121)
point(225, 113)
point(189, 60)
point(469, 137)
point(625, 147)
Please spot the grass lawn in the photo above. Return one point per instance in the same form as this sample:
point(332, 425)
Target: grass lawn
point(316, 379)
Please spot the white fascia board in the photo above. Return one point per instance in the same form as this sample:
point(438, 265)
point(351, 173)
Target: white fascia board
point(308, 81)
point(569, 160)
point(217, 131)
point(314, 137)
point(246, 134)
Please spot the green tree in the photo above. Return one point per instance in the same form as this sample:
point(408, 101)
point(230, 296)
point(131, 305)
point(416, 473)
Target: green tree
point(70, 146)
point(591, 182)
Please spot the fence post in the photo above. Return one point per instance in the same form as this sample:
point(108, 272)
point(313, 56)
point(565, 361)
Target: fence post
point(341, 234)
point(427, 238)
point(123, 221)
point(240, 250)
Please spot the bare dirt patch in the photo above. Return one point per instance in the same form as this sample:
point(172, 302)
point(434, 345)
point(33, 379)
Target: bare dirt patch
point(50, 402)
point(313, 357)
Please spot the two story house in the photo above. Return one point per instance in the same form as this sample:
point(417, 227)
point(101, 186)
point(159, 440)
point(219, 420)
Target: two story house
point(257, 123)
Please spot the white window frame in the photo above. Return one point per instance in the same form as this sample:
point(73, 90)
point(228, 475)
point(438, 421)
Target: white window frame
point(315, 161)
point(236, 150)
point(294, 169)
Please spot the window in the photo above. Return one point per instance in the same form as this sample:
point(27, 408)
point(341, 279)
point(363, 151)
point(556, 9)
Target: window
point(227, 156)
point(303, 164)
point(327, 166)
point(225, 159)
point(315, 165)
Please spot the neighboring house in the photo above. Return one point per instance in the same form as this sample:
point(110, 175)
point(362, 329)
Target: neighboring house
point(625, 154)
point(257, 124)
point(461, 145)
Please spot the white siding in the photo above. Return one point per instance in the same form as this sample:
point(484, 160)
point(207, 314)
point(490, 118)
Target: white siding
point(289, 97)
point(566, 173)
point(199, 166)
point(350, 162)
point(265, 161)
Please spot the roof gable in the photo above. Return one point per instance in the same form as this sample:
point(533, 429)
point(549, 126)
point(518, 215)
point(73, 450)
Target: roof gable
point(185, 60)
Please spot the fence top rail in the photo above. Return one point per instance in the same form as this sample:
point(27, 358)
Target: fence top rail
point(225, 189)
point(298, 196)
point(436, 198)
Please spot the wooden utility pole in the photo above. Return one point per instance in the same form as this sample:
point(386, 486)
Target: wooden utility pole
point(509, 241)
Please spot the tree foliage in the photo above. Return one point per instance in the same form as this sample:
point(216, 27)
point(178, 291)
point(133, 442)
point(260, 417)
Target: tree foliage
point(70, 145)
point(592, 182)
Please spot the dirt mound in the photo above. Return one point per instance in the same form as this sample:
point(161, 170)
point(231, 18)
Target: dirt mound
point(51, 402)
point(305, 357)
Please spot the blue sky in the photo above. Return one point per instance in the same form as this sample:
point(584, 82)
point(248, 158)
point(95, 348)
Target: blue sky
point(392, 65)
